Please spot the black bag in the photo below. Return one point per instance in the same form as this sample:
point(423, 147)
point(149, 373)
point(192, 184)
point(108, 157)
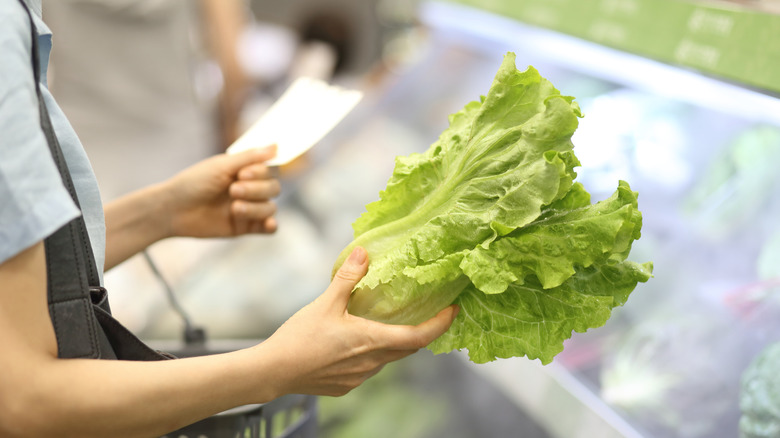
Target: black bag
point(78, 305)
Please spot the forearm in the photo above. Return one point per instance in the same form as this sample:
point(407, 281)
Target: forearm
point(98, 398)
point(321, 349)
point(134, 222)
point(41, 395)
point(224, 21)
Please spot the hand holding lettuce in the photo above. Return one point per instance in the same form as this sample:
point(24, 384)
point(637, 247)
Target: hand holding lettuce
point(490, 218)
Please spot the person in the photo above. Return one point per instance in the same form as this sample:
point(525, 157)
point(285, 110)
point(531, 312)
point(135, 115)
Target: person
point(163, 100)
point(165, 97)
point(320, 350)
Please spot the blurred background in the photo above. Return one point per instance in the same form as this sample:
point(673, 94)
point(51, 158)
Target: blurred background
point(680, 99)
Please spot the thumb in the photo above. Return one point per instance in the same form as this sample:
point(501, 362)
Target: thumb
point(347, 277)
point(236, 162)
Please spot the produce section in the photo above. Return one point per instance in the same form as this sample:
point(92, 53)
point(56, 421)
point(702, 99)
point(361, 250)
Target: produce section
point(697, 140)
point(671, 361)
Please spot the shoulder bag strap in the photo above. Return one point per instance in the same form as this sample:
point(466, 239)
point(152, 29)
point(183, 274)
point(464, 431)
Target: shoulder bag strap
point(78, 305)
point(70, 264)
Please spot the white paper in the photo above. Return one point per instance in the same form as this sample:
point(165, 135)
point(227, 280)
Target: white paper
point(302, 116)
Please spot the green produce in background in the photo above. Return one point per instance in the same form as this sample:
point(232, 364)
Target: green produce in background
point(760, 396)
point(738, 184)
point(490, 218)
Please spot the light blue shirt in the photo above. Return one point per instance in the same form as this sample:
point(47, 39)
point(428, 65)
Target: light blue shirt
point(33, 200)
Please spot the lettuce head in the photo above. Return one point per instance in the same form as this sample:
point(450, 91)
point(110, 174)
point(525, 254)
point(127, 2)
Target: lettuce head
point(490, 218)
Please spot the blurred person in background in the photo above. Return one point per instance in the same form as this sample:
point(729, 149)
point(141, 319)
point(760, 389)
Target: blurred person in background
point(320, 350)
point(150, 85)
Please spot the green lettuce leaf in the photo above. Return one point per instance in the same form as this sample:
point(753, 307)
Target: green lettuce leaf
point(553, 246)
point(490, 218)
point(528, 320)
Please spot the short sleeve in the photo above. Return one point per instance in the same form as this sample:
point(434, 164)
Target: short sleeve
point(33, 200)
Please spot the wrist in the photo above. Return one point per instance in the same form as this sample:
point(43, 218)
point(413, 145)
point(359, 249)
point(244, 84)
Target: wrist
point(164, 209)
point(134, 222)
point(265, 374)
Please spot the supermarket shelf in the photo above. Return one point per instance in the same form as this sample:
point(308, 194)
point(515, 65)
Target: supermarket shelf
point(557, 400)
point(726, 39)
point(488, 29)
point(564, 402)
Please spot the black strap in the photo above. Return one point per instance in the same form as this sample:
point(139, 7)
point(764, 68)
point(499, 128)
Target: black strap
point(78, 305)
point(59, 159)
point(70, 264)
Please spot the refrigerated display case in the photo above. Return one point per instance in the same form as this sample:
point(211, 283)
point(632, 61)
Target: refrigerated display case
point(699, 142)
point(701, 146)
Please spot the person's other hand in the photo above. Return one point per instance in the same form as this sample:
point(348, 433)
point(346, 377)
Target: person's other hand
point(324, 350)
point(224, 195)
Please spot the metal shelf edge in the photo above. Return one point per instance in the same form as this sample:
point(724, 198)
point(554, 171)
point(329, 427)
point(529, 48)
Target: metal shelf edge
point(555, 398)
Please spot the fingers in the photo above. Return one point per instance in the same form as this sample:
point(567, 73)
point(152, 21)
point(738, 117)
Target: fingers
point(255, 190)
point(263, 226)
point(253, 210)
point(347, 277)
point(256, 171)
point(239, 161)
point(419, 336)
point(269, 225)
point(433, 328)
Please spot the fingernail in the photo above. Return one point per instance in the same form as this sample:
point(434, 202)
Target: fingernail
point(358, 256)
point(455, 311)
